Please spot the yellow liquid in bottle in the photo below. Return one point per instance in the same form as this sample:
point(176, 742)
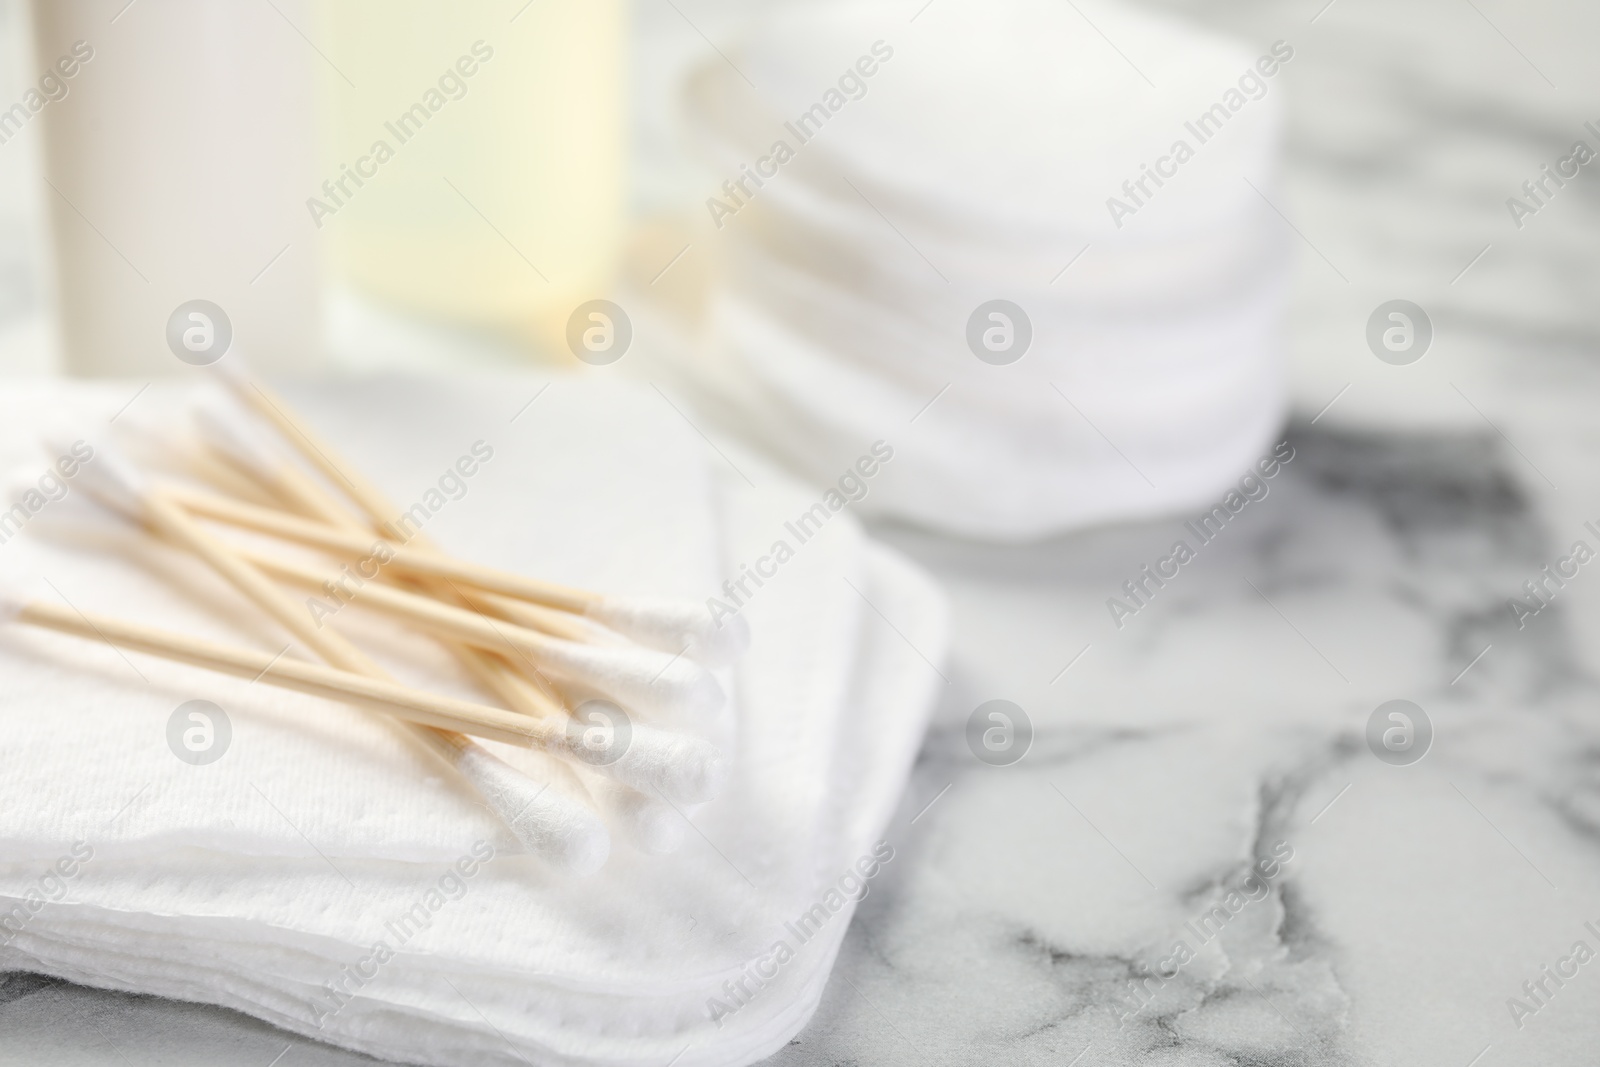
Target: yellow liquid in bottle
point(489, 141)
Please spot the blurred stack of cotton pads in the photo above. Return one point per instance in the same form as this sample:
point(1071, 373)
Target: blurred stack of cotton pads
point(315, 870)
point(1020, 151)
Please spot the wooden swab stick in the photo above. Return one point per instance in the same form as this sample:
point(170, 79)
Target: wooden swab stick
point(544, 824)
point(651, 824)
point(549, 735)
point(640, 678)
point(678, 627)
point(684, 769)
point(227, 478)
point(306, 441)
point(229, 436)
point(259, 464)
point(269, 472)
point(401, 701)
point(397, 557)
point(163, 441)
point(552, 621)
point(400, 557)
point(631, 674)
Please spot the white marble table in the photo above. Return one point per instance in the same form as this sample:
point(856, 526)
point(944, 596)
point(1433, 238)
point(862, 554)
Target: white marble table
point(1170, 756)
point(1229, 716)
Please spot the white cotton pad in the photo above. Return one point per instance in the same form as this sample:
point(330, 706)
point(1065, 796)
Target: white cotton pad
point(862, 277)
point(676, 626)
point(947, 135)
point(642, 679)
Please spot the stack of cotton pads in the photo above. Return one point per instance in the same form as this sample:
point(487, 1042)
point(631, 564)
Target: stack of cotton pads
point(973, 155)
point(325, 876)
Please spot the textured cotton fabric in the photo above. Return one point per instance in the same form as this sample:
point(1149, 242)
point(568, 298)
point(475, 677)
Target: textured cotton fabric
point(256, 881)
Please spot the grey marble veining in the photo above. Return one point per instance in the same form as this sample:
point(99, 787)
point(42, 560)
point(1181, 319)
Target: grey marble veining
point(1176, 752)
point(1125, 834)
point(1027, 901)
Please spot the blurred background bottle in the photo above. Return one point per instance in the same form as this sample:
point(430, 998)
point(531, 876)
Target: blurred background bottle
point(503, 203)
point(176, 163)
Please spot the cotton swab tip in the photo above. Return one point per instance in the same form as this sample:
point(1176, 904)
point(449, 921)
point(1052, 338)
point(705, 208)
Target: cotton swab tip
point(676, 626)
point(643, 679)
point(683, 770)
point(655, 828)
point(224, 427)
point(648, 823)
point(13, 597)
point(566, 834)
point(19, 482)
point(545, 820)
point(234, 370)
point(23, 488)
point(110, 478)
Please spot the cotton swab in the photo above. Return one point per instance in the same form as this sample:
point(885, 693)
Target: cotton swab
point(397, 556)
point(390, 698)
point(643, 679)
point(651, 622)
point(520, 803)
point(222, 431)
point(281, 480)
point(686, 770)
point(234, 374)
point(695, 781)
point(678, 627)
point(550, 621)
point(649, 823)
point(231, 432)
point(162, 442)
point(681, 627)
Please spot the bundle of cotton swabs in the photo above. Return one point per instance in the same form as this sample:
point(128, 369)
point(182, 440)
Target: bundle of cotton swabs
point(537, 646)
